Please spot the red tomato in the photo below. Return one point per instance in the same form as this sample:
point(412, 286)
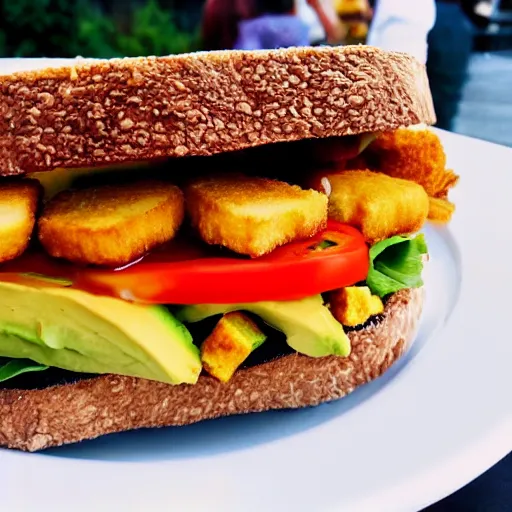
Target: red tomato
point(334, 258)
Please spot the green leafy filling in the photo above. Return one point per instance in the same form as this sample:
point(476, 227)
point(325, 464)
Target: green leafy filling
point(10, 368)
point(395, 264)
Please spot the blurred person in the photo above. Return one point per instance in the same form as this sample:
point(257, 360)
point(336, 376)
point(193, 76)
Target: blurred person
point(450, 44)
point(402, 25)
point(479, 12)
point(355, 16)
point(322, 20)
point(484, 8)
point(275, 26)
point(221, 18)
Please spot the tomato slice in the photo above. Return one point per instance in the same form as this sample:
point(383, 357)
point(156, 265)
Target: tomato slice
point(334, 258)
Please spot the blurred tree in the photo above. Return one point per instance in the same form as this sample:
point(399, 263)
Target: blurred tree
point(154, 32)
point(59, 28)
point(32, 27)
point(3, 51)
point(188, 12)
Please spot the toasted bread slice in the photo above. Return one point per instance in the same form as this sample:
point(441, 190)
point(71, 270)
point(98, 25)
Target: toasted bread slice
point(18, 205)
point(36, 419)
point(120, 110)
point(377, 204)
point(253, 216)
point(111, 225)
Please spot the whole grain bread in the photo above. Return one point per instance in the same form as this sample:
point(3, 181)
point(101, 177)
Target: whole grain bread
point(105, 112)
point(38, 419)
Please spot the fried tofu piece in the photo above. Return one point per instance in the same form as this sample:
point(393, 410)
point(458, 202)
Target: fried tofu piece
point(19, 201)
point(253, 216)
point(354, 305)
point(378, 205)
point(111, 225)
point(414, 154)
point(234, 338)
point(440, 210)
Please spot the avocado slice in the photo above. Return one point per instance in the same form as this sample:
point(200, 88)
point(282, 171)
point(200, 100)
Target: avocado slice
point(77, 331)
point(308, 325)
point(62, 179)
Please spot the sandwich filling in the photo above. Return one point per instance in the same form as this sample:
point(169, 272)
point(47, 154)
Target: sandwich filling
point(208, 264)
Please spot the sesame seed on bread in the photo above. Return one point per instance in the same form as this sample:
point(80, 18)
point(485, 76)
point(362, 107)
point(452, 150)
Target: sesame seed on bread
point(124, 110)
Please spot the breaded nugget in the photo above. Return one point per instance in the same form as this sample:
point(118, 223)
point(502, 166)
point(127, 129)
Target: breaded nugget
point(440, 210)
point(377, 204)
point(416, 155)
point(111, 225)
point(18, 205)
point(253, 216)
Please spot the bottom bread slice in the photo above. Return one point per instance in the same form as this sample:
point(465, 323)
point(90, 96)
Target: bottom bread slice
point(33, 420)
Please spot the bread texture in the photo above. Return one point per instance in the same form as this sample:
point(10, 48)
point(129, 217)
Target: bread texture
point(123, 110)
point(38, 419)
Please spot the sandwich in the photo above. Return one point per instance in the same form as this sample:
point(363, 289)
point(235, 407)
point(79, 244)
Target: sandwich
point(195, 236)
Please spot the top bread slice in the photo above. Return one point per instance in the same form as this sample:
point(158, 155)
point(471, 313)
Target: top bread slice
point(124, 110)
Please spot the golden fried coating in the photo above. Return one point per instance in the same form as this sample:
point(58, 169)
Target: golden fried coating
point(354, 305)
point(235, 336)
point(253, 216)
point(415, 155)
point(440, 210)
point(377, 204)
point(111, 225)
point(18, 205)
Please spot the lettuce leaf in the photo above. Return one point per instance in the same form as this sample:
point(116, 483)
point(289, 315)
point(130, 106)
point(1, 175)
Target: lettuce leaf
point(396, 263)
point(10, 368)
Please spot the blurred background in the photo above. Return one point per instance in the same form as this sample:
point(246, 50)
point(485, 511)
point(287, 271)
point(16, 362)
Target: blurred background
point(469, 58)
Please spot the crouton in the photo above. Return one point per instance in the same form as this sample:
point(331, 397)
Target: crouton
point(111, 225)
point(235, 336)
point(18, 206)
point(354, 305)
point(378, 205)
point(253, 216)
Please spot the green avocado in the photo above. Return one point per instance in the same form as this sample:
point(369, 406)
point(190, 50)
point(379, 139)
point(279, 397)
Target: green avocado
point(77, 331)
point(308, 325)
point(61, 179)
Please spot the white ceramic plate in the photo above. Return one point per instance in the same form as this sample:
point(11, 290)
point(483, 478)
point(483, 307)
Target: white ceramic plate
point(436, 420)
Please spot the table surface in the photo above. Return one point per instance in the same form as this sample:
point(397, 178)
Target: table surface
point(491, 492)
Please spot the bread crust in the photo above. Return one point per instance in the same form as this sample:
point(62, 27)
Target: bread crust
point(38, 419)
point(105, 112)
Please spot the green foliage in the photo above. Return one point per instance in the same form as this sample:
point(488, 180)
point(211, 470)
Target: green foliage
point(34, 27)
point(154, 32)
point(95, 33)
point(3, 50)
point(59, 28)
